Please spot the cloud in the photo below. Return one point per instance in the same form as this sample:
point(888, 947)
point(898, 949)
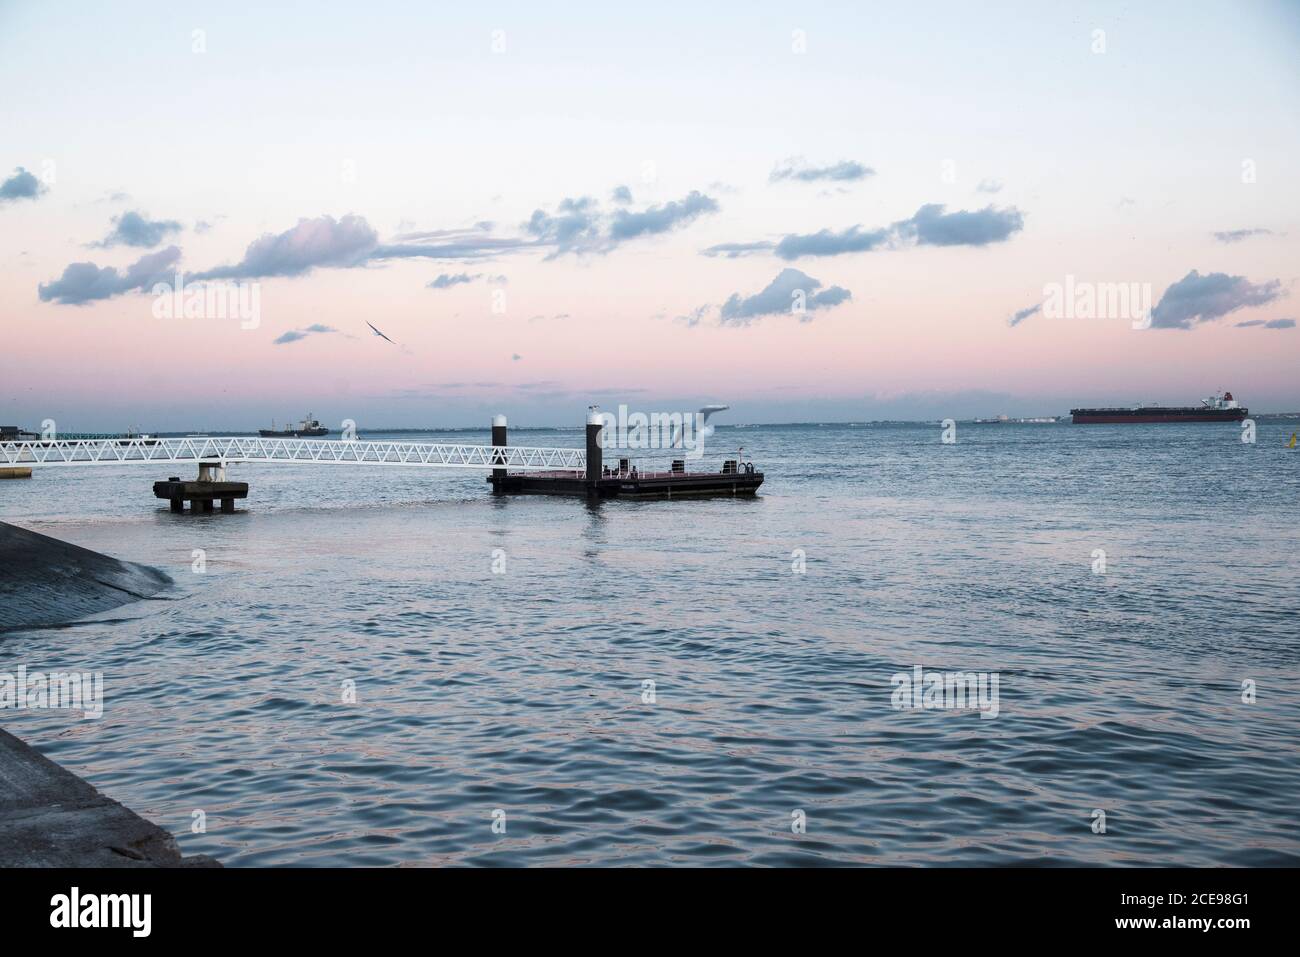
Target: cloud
point(574, 226)
point(845, 171)
point(459, 248)
point(515, 357)
point(661, 219)
point(1196, 299)
point(736, 250)
point(580, 226)
point(929, 226)
point(85, 282)
point(1018, 317)
point(324, 241)
point(1270, 324)
point(828, 243)
point(989, 185)
point(293, 335)
point(21, 185)
point(136, 229)
point(933, 227)
point(621, 194)
point(779, 296)
point(695, 317)
point(1237, 235)
point(447, 280)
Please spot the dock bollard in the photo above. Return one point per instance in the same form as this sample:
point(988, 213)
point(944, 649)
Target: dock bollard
point(498, 441)
point(594, 455)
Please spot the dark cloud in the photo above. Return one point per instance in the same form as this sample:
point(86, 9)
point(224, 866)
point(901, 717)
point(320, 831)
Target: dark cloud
point(845, 171)
point(736, 250)
point(293, 335)
point(661, 219)
point(21, 185)
point(574, 227)
point(85, 282)
point(929, 226)
point(1270, 324)
point(580, 226)
point(461, 245)
point(1018, 317)
point(1196, 299)
point(136, 229)
point(447, 280)
point(779, 297)
point(464, 249)
point(324, 241)
point(828, 243)
point(1237, 235)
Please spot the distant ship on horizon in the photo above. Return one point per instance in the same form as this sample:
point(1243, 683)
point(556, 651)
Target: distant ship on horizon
point(1216, 408)
point(1020, 420)
point(307, 428)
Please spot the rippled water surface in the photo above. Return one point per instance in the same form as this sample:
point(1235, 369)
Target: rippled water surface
point(523, 691)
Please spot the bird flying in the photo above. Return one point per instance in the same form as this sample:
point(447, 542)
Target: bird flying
point(380, 334)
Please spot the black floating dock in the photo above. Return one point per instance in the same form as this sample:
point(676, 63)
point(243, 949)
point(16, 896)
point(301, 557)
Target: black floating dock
point(631, 485)
point(626, 480)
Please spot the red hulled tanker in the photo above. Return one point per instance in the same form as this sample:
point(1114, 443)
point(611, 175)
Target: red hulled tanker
point(1217, 408)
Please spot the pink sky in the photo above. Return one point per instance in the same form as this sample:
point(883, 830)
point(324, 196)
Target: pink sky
point(1121, 167)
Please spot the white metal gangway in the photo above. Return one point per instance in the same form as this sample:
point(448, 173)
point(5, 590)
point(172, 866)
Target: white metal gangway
point(221, 451)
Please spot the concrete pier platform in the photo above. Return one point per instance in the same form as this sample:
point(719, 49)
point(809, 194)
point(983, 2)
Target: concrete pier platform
point(49, 817)
point(44, 581)
point(200, 494)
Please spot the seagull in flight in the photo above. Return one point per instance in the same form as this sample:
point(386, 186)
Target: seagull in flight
point(380, 334)
point(705, 430)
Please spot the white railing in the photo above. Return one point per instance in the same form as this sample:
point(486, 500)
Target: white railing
point(325, 451)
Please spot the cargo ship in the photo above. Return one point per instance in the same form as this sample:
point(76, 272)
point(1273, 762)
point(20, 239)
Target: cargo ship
point(307, 428)
point(1217, 408)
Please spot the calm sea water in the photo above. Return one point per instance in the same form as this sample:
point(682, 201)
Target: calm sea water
point(524, 693)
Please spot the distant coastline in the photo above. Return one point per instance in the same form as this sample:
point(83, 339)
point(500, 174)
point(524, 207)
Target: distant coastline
point(1061, 418)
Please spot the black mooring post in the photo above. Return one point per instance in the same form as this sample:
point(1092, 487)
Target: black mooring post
point(498, 458)
point(595, 462)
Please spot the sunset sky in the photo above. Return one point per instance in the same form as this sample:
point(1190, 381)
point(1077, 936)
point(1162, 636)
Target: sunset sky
point(618, 203)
